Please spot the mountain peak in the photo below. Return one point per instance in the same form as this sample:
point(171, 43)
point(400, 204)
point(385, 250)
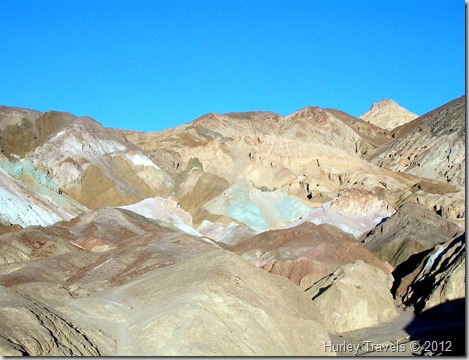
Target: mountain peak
point(388, 114)
point(385, 102)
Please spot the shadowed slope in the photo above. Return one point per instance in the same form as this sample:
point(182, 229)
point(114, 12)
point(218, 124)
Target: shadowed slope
point(439, 278)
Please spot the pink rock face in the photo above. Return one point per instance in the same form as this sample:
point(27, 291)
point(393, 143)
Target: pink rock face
point(361, 203)
point(355, 211)
point(94, 244)
point(306, 253)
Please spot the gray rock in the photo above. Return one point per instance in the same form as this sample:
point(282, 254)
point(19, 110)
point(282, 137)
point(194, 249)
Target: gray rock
point(31, 327)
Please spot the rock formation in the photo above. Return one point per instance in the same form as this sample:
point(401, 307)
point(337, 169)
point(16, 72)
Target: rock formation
point(260, 210)
point(93, 165)
point(438, 281)
point(432, 146)
point(214, 304)
point(30, 328)
point(165, 209)
point(228, 234)
point(388, 114)
point(305, 253)
point(352, 297)
point(411, 230)
point(354, 211)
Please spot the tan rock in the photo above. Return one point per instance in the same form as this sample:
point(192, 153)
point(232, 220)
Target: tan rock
point(215, 304)
point(354, 296)
point(388, 115)
point(411, 230)
point(30, 327)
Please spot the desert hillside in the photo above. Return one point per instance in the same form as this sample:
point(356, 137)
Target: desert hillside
point(238, 234)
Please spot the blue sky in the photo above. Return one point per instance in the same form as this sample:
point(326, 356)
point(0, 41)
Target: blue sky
point(149, 64)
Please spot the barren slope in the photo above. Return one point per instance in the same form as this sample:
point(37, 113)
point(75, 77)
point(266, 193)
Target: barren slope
point(93, 165)
point(214, 304)
point(153, 282)
point(306, 253)
point(411, 230)
point(431, 146)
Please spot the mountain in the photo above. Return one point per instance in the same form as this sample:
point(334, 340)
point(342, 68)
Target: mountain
point(310, 154)
point(431, 146)
point(92, 165)
point(247, 233)
point(387, 114)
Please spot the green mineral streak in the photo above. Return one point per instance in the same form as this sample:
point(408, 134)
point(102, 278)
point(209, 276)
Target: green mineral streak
point(15, 169)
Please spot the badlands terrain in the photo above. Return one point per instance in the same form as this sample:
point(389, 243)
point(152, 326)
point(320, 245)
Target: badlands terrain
point(315, 233)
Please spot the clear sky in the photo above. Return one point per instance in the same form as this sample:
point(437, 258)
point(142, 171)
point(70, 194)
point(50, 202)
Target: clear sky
point(150, 64)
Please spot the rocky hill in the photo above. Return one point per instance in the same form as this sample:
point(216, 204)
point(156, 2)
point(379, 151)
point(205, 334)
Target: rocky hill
point(430, 146)
point(235, 234)
point(388, 114)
